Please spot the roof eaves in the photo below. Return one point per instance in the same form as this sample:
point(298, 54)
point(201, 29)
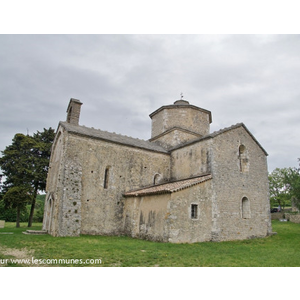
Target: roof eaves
point(255, 140)
point(147, 193)
point(197, 135)
point(216, 133)
point(152, 190)
point(113, 138)
point(172, 106)
point(206, 137)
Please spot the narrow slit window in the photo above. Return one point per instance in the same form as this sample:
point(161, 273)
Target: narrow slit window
point(106, 177)
point(194, 211)
point(69, 115)
point(244, 161)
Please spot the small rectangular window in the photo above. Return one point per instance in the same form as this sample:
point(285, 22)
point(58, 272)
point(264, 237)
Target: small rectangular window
point(194, 211)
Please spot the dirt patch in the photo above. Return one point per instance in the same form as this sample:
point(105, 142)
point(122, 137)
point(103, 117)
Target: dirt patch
point(15, 254)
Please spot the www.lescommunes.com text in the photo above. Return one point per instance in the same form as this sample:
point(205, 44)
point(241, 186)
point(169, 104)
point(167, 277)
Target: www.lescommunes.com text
point(52, 261)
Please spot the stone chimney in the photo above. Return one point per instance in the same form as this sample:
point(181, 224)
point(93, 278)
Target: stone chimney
point(73, 111)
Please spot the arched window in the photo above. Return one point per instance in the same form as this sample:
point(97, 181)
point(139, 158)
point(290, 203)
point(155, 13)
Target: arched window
point(157, 178)
point(244, 161)
point(49, 212)
point(106, 178)
point(246, 214)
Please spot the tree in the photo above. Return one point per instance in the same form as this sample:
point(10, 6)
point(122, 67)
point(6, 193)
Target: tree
point(17, 197)
point(10, 214)
point(25, 163)
point(16, 161)
point(293, 180)
point(278, 187)
point(284, 186)
point(41, 154)
point(16, 164)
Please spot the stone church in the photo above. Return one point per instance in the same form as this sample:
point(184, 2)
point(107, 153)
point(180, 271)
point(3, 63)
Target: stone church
point(183, 185)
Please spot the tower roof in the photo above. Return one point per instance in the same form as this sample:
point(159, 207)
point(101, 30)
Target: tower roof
point(182, 104)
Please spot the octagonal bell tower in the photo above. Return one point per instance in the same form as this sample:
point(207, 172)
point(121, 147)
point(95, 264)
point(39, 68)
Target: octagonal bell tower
point(173, 125)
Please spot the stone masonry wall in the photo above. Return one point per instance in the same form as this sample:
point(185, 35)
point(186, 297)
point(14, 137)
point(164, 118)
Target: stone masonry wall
point(146, 217)
point(70, 209)
point(128, 168)
point(192, 160)
point(295, 218)
point(167, 217)
point(181, 227)
point(180, 116)
point(54, 187)
point(241, 207)
point(277, 216)
point(174, 138)
point(64, 186)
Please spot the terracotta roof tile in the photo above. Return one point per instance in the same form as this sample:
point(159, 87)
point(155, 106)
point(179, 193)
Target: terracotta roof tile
point(168, 188)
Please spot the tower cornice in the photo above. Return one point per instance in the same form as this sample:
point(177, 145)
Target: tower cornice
point(177, 105)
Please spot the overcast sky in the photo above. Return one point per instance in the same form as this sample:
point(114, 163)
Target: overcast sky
point(121, 79)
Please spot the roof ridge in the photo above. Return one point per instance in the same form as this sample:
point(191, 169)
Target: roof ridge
point(216, 133)
point(112, 137)
point(173, 129)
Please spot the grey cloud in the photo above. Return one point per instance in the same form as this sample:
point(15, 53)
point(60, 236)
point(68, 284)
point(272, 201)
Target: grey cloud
point(121, 79)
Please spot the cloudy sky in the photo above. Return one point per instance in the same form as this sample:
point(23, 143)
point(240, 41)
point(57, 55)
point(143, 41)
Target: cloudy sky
point(121, 79)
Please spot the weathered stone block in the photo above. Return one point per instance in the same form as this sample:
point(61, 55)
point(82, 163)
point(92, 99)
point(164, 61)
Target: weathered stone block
point(294, 218)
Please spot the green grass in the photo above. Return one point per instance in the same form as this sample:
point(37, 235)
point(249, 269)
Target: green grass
point(281, 250)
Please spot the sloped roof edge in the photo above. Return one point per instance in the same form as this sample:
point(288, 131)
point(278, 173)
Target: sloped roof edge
point(168, 188)
point(197, 135)
point(219, 132)
point(112, 137)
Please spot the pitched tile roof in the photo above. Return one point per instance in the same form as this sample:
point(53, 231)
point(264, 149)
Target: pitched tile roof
point(168, 188)
point(112, 137)
point(148, 145)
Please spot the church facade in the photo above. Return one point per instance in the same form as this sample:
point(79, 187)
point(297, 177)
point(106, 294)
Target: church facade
point(184, 185)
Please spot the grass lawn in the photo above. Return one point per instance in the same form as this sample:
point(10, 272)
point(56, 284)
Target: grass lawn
point(281, 250)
